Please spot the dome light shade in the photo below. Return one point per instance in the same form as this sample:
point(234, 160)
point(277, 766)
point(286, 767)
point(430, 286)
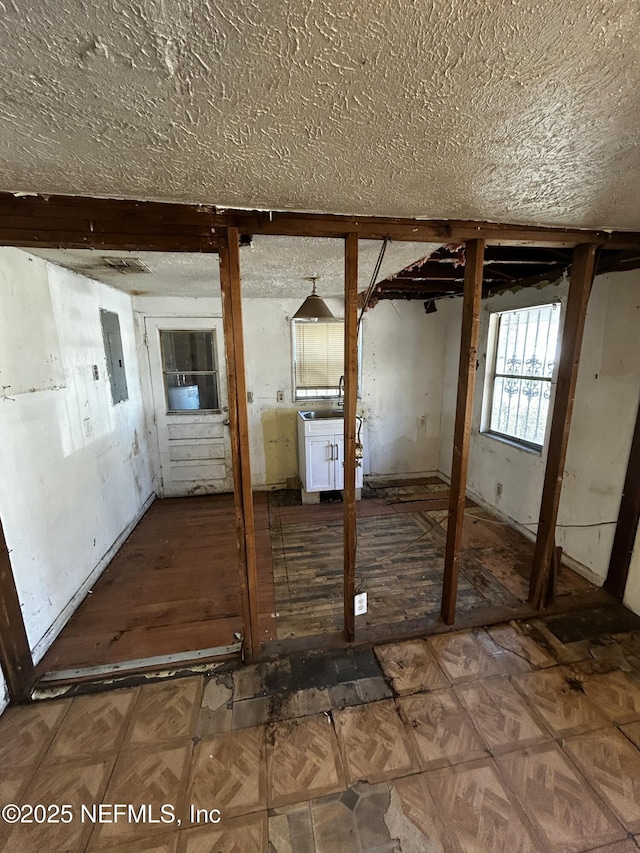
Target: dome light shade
point(313, 307)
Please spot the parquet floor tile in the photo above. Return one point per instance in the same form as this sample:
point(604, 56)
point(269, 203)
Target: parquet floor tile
point(411, 667)
point(246, 834)
point(230, 773)
point(500, 714)
point(151, 775)
point(462, 657)
point(615, 694)
point(94, 725)
point(612, 766)
point(632, 731)
point(627, 846)
point(512, 638)
point(303, 760)
point(562, 705)
point(165, 711)
point(440, 729)
point(558, 800)
point(374, 743)
point(72, 783)
point(422, 826)
point(25, 733)
point(12, 783)
point(164, 844)
point(479, 812)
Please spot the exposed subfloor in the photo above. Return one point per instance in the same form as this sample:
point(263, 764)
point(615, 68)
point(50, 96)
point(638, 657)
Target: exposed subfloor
point(399, 563)
point(173, 587)
point(487, 741)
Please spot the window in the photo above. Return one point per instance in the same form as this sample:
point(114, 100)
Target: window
point(520, 381)
point(318, 358)
point(190, 370)
point(113, 353)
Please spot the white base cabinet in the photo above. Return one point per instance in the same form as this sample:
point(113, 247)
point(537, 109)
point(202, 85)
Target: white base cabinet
point(321, 455)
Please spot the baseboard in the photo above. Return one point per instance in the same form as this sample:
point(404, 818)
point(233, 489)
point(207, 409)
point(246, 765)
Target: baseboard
point(371, 479)
point(45, 642)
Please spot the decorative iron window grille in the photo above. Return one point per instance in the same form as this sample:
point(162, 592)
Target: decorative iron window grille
point(526, 344)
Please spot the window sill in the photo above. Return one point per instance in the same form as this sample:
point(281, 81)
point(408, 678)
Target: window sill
point(533, 449)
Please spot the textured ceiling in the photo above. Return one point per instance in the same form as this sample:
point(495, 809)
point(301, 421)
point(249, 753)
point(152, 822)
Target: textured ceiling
point(510, 111)
point(270, 267)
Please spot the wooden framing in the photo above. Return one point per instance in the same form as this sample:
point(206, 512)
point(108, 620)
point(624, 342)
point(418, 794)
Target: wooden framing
point(239, 424)
point(15, 654)
point(582, 272)
point(628, 519)
point(72, 222)
point(113, 224)
point(350, 404)
point(462, 429)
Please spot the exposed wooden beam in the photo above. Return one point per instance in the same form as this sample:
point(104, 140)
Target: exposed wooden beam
point(407, 285)
point(582, 272)
point(628, 520)
point(462, 429)
point(104, 224)
point(239, 425)
point(350, 404)
point(15, 654)
point(72, 222)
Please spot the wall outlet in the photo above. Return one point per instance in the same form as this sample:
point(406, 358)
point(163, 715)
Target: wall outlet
point(498, 491)
point(280, 396)
point(423, 421)
point(87, 426)
point(360, 603)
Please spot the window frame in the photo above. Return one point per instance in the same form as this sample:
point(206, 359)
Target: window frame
point(493, 341)
point(320, 397)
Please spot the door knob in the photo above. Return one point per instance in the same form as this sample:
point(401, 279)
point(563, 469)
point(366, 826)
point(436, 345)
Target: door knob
point(226, 421)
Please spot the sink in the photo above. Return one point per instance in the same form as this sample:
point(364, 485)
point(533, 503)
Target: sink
point(322, 414)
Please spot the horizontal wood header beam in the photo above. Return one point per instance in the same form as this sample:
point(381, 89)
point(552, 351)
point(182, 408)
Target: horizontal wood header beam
point(80, 222)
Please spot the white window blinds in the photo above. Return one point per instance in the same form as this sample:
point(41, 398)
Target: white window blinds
point(319, 356)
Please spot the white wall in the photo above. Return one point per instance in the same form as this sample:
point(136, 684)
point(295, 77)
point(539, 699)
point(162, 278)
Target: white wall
point(4, 695)
point(603, 419)
point(75, 470)
point(403, 361)
point(403, 352)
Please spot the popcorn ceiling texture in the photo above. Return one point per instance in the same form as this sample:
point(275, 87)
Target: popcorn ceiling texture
point(509, 111)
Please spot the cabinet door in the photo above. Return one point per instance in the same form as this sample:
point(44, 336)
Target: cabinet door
point(338, 452)
point(320, 464)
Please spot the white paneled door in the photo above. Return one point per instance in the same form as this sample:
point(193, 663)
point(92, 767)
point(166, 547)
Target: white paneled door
point(189, 385)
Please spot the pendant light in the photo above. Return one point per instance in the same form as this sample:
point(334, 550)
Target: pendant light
point(313, 307)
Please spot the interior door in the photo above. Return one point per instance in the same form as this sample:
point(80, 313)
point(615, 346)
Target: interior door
point(188, 381)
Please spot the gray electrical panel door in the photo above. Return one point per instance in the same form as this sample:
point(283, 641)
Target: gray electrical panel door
point(115, 358)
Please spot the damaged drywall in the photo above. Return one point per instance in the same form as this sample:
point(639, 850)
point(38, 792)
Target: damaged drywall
point(75, 467)
point(606, 404)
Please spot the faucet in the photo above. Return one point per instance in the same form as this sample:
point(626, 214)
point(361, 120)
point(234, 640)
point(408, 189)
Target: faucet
point(341, 391)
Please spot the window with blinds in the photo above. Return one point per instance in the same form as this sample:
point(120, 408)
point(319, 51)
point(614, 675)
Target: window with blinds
point(318, 353)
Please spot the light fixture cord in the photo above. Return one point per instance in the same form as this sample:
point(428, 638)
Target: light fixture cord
point(374, 277)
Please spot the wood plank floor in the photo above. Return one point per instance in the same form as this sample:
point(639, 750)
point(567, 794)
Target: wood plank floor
point(399, 563)
point(173, 587)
